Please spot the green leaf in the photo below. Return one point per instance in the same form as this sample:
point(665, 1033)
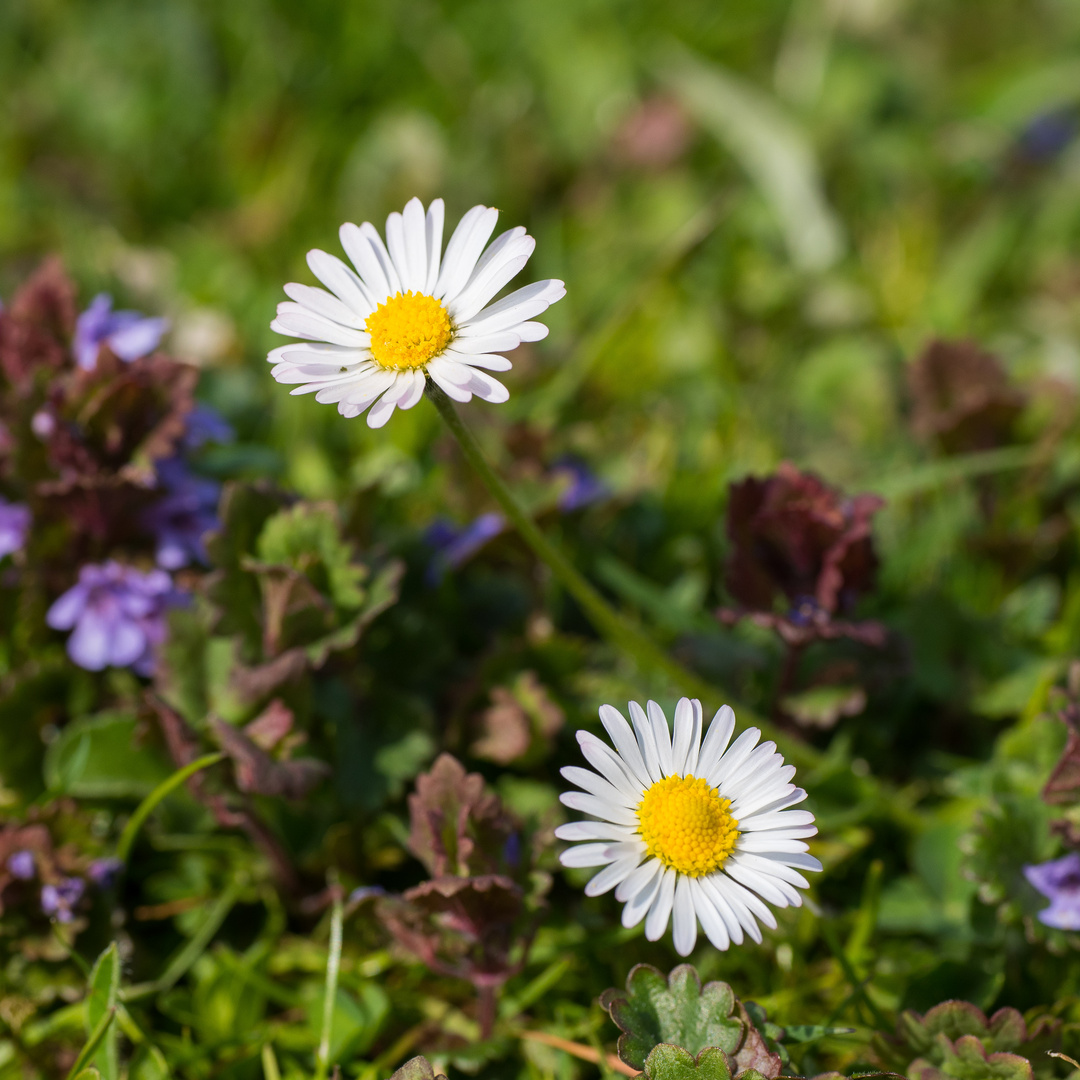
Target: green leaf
point(101, 995)
point(667, 1062)
point(655, 1009)
point(98, 757)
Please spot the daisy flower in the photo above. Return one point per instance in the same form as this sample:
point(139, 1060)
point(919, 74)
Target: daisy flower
point(404, 312)
point(688, 830)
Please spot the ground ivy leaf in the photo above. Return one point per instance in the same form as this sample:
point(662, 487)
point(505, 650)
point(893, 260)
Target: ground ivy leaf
point(676, 1009)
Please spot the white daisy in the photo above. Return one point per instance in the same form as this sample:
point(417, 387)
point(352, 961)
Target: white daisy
point(689, 830)
point(410, 312)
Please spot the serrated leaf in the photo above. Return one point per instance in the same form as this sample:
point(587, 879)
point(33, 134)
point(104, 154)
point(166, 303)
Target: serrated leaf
point(676, 1009)
point(101, 994)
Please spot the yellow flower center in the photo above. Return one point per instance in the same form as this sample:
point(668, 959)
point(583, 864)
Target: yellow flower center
point(687, 825)
point(408, 330)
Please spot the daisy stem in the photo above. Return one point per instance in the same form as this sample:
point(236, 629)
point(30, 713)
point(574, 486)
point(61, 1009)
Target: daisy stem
point(614, 626)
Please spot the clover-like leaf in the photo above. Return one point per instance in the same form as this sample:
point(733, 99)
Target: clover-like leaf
point(967, 1059)
point(676, 1009)
point(419, 1068)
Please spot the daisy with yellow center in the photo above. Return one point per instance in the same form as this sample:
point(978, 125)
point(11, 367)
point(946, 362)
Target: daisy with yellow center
point(405, 312)
point(688, 831)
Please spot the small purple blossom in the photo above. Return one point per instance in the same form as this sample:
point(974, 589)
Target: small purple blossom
point(128, 333)
point(105, 872)
point(206, 425)
point(1046, 136)
point(585, 486)
point(14, 525)
point(183, 515)
point(21, 865)
point(118, 616)
point(59, 900)
point(455, 546)
point(1059, 881)
point(366, 892)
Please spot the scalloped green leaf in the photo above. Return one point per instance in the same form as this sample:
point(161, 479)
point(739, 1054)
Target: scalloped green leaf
point(675, 1009)
point(667, 1062)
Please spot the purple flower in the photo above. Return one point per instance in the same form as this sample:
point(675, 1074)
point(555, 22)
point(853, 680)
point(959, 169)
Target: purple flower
point(118, 615)
point(58, 900)
point(14, 525)
point(1046, 136)
point(455, 546)
point(184, 514)
point(585, 486)
point(129, 334)
point(105, 872)
point(1059, 881)
point(205, 425)
point(21, 865)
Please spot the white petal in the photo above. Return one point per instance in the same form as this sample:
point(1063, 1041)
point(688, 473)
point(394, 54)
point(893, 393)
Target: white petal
point(762, 843)
point(488, 279)
point(381, 411)
point(451, 370)
point(716, 739)
point(323, 303)
point(782, 803)
point(365, 390)
point(450, 389)
point(732, 893)
point(640, 879)
point(341, 281)
point(503, 341)
point(598, 786)
point(646, 741)
point(609, 765)
point(764, 865)
point(711, 922)
point(371, 267)
point(660, 910)
point(434, 230)
point(395, 243)
point(466, 244)
point(624, 742)
point(531, 331)
point(593, 830)
point(306, 324)
point(662, 735)
point(581, 855)
point(416, 252)
point(611, 875)
point(772, 889)
point(513, 310)
point(783, 819)
point(683, 918)
point(640, 902)
point(590, 804)
point(483, 360)
point(684, 737)
point(711, 885)
point(737, 753)
point(484, 386)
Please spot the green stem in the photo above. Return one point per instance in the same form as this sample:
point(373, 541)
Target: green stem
point(611, 624)
point(333, 968)
point(146, 807)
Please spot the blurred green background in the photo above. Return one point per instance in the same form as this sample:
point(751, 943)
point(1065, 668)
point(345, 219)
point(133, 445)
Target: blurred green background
point(761, 209)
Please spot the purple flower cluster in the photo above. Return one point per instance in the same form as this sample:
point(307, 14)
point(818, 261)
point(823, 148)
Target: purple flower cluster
point(1059, 881)
point(127, 333)
point(21, 865)
point(117, 614)
point(14, 525)
point(181, 518)
point(455, 546)
point(58, 901)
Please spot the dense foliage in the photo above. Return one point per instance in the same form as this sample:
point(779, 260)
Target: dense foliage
point(284, 700)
